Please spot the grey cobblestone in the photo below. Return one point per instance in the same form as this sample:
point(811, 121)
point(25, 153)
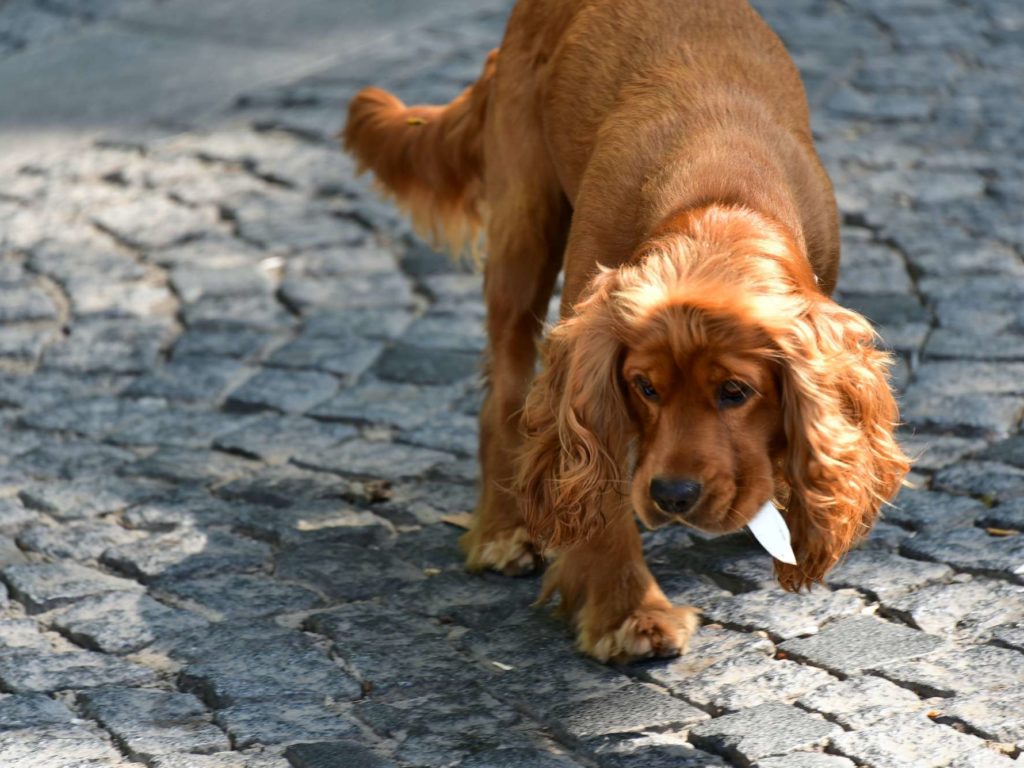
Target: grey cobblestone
point(232, 374)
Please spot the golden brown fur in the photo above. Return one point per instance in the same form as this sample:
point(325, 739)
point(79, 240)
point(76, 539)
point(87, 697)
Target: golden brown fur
point(661, 153)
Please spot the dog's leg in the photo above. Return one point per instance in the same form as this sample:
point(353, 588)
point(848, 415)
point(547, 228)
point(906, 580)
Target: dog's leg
point(529, 219)
point(619, 611)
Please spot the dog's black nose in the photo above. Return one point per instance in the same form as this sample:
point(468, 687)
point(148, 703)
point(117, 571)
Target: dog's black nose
point(675, 495)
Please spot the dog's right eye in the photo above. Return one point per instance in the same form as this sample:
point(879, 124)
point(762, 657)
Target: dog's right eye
point(646, 388)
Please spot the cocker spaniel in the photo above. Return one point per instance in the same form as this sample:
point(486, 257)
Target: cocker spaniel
point(661, 153)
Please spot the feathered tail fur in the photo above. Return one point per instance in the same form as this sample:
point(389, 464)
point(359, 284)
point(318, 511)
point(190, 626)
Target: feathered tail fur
point(428, 158)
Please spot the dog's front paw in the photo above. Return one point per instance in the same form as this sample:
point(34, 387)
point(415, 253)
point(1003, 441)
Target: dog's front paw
point(656, 631)
point(508, 551)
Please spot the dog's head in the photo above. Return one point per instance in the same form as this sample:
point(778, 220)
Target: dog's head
point(708, 378)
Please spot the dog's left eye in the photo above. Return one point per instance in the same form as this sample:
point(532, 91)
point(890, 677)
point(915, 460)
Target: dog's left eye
point(646, 388)
point(733, 393)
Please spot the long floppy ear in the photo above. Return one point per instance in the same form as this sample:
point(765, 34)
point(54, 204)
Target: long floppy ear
point(842, 461)
point(576, 426)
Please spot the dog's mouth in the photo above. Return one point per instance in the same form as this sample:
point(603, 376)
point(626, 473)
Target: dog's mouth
point(706, 516)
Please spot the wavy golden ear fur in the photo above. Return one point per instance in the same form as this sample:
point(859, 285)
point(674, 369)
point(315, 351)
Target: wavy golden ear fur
point(576, 426)
point(843, 462)
point(428, 158)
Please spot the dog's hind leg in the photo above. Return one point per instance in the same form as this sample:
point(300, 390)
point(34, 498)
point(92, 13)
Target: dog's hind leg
point(526, 234)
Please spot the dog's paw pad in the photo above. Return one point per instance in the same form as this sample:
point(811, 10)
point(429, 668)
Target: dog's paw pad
point(646, 633)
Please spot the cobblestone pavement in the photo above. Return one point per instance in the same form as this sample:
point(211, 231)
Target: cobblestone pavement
point(237, 398)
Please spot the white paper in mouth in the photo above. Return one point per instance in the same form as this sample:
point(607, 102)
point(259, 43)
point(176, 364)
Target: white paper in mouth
point(772, 533)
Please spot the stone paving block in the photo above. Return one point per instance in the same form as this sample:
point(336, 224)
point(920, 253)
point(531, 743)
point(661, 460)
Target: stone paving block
point(315, 520)
point(308, 295)
point(972, 550)
point(805, 760)
point(783, 614)
point(190, 428)
point(463, 329)
point(14, 515)
point(1011, 636)
point(924, 510)
point(93, 417)
point(251, 661)
point(431, 367)
point(72, 458)
point(283, 390)
point(235, 343)
point(188, 552)
point(470, 712)
point(762, 731)
point(57, 745)
point(44, 586)
point(121, 622)
point(188, 508)
point(286, 485)
point(154, 222)
point(451, 432)
point(238, 596)
point(975, 414)
point(377, 323)
point(904, 740)
point(284, 720)
point(989, 479)
point(85, 496)
point(709, 645)
point(259, 313)
point(31, 710)
point(967, 609)
point(373, 458)
point(22, 633)
point(189, 466)
point(347, 356)
point(25, 303)
point(858, 702)
point(398, 405)
point(84, 540)
point(146, 723)
point(852, 645)
point(1008, 515)
point(109, 346)
point(997, 716)
point(883, 575)
point(249, 759)
point(336, 754)
point(275, 439)
point(748, 679)
point(344, 571)
point(636, 707)
point(290, 223)
point(192, 283)
point(650, 750)
point(24, 670)
point(958, 671)
point(191, 380)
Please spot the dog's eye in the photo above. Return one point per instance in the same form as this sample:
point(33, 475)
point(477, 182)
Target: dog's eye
point(733, 393)
point(646, 388)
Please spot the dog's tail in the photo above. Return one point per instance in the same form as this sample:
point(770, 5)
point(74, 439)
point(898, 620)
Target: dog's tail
point(429, 158)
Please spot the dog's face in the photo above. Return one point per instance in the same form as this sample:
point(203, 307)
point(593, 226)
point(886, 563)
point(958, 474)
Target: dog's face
point(709, 427)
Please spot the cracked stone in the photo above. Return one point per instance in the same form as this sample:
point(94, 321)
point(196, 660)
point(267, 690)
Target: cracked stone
point(762, 731)
point(147, 723)
point(859, 702)
point(28, 671)
point(44, 586)
point(852, 645)
point(121, 622)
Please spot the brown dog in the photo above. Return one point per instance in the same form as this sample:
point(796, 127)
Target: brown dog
point(661, 152)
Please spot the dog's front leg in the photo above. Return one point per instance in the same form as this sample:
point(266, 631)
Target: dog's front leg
point(618, 609)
